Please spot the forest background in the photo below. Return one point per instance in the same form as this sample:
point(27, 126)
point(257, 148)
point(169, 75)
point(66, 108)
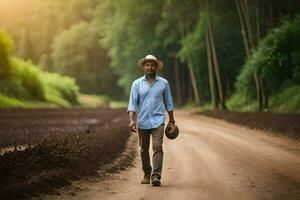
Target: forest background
point(238, 55)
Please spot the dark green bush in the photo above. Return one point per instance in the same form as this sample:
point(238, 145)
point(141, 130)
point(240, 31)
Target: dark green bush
point(276, 60)
point(63, 87)
point(23, 80)
point(6, 46)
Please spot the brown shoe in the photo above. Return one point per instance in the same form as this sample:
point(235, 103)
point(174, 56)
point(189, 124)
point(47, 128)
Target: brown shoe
point(146, 179)
point(156, 181)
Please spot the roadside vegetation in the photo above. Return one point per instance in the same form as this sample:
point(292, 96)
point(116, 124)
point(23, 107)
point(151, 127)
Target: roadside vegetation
point(24, 84)
point(218, 54)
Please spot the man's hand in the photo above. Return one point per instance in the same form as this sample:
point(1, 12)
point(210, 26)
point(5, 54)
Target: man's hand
point(171, 117)
point(132, 126)
point(172, 121)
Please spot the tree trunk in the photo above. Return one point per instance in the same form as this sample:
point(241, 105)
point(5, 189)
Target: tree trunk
point(216, 66)
point(243, 28)
point(25, 46)
point(258, 83)
point(186, 88)
point(290, 9)
point(264, 95)
point(210, 72)
point(271, 14)
point(193, 80)
point(244, 16)
point(184, 85)
point(191, 69)
point(190, 97)
point(258, 91)
point(177, 81)
point(228, 87)
point(257, 21)
point(245, 9)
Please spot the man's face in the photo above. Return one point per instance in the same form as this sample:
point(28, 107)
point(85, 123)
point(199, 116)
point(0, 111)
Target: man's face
point(150, 67)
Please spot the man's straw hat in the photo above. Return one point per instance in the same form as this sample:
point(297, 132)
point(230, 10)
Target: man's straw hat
point(150, 58)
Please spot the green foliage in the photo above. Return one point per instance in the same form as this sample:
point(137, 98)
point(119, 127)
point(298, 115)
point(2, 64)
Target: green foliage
point(77, 53)
point(93, 100)
point(45, 62)
point(192, 47)
point(191, 43)
point(10, 102)
point(6, 43)
point(21, 81)
point(43, 20)
point(276, 60)
point(245, 84)
point(127, 29)
point(83, 38)
point(296, 68)
point(287, 100)
point(28, 82)
point(25, 47)
point(61, 90)
point(241, 102)
point(6, 46)
point(118, 104)
point(18, 78)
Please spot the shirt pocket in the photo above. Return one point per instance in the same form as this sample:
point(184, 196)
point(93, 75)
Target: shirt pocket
point(158, 97)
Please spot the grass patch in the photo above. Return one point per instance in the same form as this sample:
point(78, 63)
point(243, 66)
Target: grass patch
point(240, 102)
point(93, 101)
point(286, 101)
point(118, 104)
point(11, 102)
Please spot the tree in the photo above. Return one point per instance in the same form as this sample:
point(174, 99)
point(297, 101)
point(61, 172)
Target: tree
point(127, 31)
point(77, 53)
point(25, 50)
point(214, 103)
point(45, 62)
point(6, 47)
point(216, 69)
point(276, 59)
point(186, 15)
point(247, 32)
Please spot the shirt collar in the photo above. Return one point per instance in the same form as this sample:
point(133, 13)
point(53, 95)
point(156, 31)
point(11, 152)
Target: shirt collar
point(156, 77)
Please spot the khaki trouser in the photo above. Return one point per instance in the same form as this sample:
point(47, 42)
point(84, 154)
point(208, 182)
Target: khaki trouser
point(157, 141)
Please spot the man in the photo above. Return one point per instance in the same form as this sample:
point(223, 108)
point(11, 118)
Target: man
point(150, 96)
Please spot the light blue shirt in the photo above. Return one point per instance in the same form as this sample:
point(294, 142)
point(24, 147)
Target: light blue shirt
point(150, 101)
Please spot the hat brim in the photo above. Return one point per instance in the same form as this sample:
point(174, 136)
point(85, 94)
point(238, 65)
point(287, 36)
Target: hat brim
point(143, 60)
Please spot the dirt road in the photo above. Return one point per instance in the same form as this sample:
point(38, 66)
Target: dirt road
point(210, 160)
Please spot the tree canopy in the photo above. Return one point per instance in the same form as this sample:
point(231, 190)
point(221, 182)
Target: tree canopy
point(214, 51)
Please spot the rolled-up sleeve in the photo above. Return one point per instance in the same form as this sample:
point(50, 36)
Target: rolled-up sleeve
point(133, 99)
point(168, 98)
